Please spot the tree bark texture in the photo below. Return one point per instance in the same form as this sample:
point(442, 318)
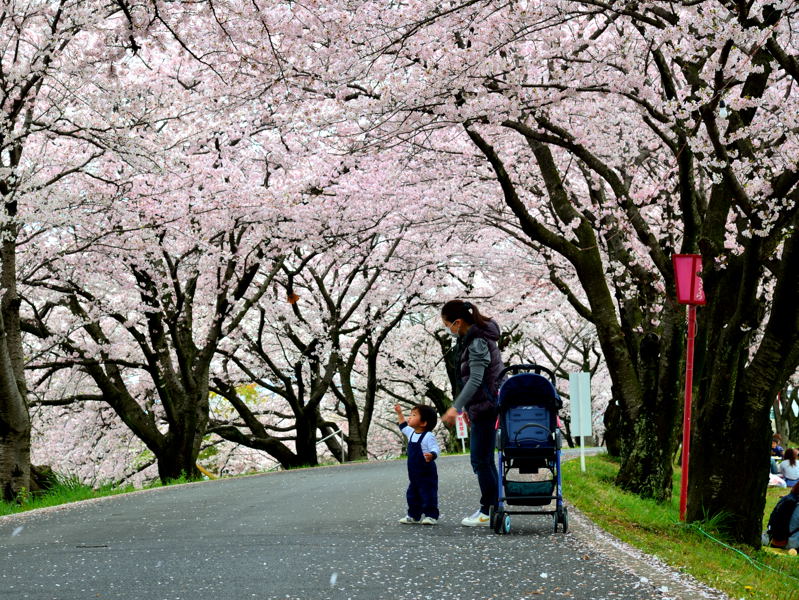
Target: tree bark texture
point(15, 425)
point(737, 390)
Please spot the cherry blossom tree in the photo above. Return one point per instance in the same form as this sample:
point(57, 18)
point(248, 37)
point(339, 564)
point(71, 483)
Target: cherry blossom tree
point(618, 135)
point(145, 326)
point(315, 345)
point(56, 122)
point(603, 137)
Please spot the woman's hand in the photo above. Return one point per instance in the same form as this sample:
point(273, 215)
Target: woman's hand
point(448, 418)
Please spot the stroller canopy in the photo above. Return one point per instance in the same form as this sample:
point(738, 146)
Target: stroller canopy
point(529, 389)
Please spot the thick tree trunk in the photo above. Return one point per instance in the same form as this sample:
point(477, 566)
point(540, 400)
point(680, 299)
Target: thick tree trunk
point(306, 442)
point(646, 467)
point(15, 426)
point(177, 455)
point(737, 390)
point(740, 431)
point(356, 448)
point(15, 450)
point(618, 429)
point(175, 463)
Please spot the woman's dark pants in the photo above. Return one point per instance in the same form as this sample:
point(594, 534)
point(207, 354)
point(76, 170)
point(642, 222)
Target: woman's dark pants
point(483, 439)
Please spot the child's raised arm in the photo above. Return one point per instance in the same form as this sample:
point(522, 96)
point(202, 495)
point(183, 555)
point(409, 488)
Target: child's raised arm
point(400, 417)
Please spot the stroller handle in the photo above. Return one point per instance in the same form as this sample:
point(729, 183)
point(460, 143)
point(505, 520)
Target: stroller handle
point(528, 368)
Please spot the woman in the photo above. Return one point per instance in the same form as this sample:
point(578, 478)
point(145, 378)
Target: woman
point(789, 468)
point(480, 365)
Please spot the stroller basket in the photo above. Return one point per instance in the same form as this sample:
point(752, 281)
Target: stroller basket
point(529, 493)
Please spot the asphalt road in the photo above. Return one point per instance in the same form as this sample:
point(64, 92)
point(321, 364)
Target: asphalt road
point(307, 534)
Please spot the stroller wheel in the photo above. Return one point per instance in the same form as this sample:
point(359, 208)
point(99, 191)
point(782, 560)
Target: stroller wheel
point(555, 521)
point(506, 523)
point(565, 520)
point(496, 524)
point(492, 516)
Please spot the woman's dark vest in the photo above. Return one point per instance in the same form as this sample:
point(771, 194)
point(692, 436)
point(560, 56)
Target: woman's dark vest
point(483, 406)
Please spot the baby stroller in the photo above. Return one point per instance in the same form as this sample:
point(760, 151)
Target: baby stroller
point(528, 440)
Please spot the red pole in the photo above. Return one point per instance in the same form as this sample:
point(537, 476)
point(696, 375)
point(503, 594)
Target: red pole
point(686, 419)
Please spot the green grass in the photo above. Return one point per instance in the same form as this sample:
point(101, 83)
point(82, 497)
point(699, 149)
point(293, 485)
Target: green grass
point(69, 489)
point(65, 491)
point(655, 528)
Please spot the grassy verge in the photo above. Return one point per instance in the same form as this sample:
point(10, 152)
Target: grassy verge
point(67, 490)
point(655, 528)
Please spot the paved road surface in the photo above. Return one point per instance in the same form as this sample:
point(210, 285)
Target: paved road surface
point(308, 534)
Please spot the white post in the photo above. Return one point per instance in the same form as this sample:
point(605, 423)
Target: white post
point(580, 396)
point(582, 453)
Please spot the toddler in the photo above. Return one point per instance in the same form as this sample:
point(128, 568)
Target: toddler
point(423, 450)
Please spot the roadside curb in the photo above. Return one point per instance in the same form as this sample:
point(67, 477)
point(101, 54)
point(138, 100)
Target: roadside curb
point(666, 580)
point(671, 583)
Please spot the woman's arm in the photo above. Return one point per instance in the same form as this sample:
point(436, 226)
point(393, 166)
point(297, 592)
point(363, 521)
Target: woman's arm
point(479, 359)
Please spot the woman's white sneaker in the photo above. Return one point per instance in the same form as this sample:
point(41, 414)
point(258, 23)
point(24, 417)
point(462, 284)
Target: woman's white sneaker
point(429, 521)
point(478, 519)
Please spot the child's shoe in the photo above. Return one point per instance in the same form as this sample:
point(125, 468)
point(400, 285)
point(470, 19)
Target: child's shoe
point(429, 521)
point(406, 520)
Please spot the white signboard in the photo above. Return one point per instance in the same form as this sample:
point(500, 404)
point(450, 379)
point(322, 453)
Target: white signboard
point(460, 427)
point(580, 398)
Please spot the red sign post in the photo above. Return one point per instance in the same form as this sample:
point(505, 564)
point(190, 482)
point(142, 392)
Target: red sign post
point(689, 291)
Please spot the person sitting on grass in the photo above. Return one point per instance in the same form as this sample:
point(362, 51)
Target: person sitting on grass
point(789, 467)
point(776, 453)
point(783, 523)
point(422, 494)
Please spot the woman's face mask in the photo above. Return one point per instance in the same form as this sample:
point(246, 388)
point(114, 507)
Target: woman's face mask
point(453, 332)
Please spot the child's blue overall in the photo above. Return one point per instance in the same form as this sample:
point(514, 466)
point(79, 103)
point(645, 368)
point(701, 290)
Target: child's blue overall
point(422, 491)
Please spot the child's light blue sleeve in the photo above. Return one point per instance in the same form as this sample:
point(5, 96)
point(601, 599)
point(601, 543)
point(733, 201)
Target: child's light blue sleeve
point(430, 444)
point(407, 431)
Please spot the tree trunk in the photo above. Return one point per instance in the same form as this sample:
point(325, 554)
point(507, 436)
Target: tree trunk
point(646, 467)
point(306, 442)
point(177, 455)
point(356, 448)
point(618, 430)
point(787, 423)
point(15, 425)
point(740, 431)
point(736, 392)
